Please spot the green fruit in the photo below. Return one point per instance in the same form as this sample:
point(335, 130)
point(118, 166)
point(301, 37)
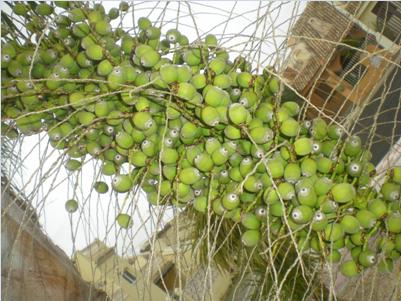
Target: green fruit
point(318, 129)
point(396, 174)
point(367, 258)
point(275, 168)
point(349, 269)
point(393, 223)
point(103, 27)
point(250, 238)
point(353, 146)
point(261, 135)
point(73, 165)
point(122, 183)
point(343, 192)
point(189, 175)
point(94, 52)
point(104, 68)
point(210, 116)
point(390, 191)
point(150, 58)
point(350, 224)
point(230, 201)
point(101, 187)
point(250, 221)
point(322, 186)
point(319, 222)
point(237, 114)
point(306, 196)
point(223, 81)
point(144, 23)
point(203, 162)
point(303, 146)
point(200, 204)
point(378, 208)
point(308, 167)
point(124, 220)
point(71, 206)
point(324, 165)
point(143, 120)
point(334, 131)
point(124, 140)
point(108, 168)
point(289, 127)
point(292, 172)
point(244, 79)
point(366, 218)
point(302, 214)
point(286, 191)
point(398, 242)
point(217, 65)
point(168, 73)
point(333, 232)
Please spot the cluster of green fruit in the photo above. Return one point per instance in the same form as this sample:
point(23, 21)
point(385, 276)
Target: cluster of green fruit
point(196, 129)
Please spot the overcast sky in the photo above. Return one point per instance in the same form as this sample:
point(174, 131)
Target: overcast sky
point(244, 27)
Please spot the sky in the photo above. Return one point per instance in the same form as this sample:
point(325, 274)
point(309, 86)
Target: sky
point(251, 28)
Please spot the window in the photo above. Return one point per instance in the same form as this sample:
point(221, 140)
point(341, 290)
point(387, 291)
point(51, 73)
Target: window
point(129, 277)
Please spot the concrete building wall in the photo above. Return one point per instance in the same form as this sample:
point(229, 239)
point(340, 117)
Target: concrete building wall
point(32, 267)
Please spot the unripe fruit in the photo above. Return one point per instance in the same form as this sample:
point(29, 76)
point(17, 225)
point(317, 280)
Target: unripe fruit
point(286, 191)
point(250, 238)
point(333, 232)
point(101, 187)
point(103, 27)
point(217, 65)
point(144, 23)
point(143, 120)
point(349, 269)
point(94, 52)
point(189, 175)
point(244, 79)
point(237, 114)
point(210, 116)
point(292, 172)
point(390, 191)
point(366, 218)
point(393, 223)
point(230, 201)
point(324, 165)
point(378, 208)
point(353, 146)
point(319, 221)
point(302, 214)
point(250, 221)
point(306, 196)
point(122, 183)
point(71, 206)
point(367, 258)
point(303, 146)
point(261, 135)
point(322, 186)
point(350, 224)
point(73, 165)
point(289, 127)
point(104, 68)
point(200, 204)
point(343, 192)
point(124, 220)
point(168, 73)
point(124, 140)
point(203, 162)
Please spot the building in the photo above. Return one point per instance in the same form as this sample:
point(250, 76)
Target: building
point(341, 52)
point(32, 267)
point(157, 272)
point(344, 59)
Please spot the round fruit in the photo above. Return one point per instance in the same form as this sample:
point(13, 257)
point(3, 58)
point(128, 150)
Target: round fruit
point(303, 146)
point(343, 192)
point(250, 238)
point(101, 187)
point(349, 269)
point(124, 220)
point(71, 206)
point(122, 183)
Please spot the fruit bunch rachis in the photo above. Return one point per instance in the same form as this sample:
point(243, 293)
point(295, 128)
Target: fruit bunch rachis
point(199, 130)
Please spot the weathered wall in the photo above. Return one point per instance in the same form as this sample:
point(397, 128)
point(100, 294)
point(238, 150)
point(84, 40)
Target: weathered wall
point(33, 268)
